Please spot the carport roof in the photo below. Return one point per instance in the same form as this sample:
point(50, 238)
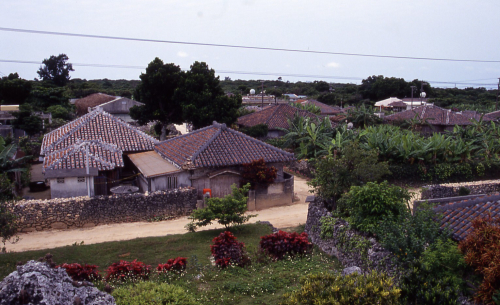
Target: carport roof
point(151, 164)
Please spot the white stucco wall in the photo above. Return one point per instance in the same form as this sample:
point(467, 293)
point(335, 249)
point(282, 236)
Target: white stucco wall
point(71, 187)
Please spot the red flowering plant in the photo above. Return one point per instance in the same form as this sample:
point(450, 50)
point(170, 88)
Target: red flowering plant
point(81, 272)
point(226, 250)
point(127, 270)
point(482, 251)
point(280, 244)
point(256, 172)
point(174, 265)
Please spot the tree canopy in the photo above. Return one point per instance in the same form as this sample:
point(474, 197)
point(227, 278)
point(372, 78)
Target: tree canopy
point(14, 90)
point(56, 69)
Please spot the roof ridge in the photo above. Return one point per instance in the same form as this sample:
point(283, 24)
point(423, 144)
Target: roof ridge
point(274, 112)
point(209, 141)
point(468, 203)
point(127, 125)
point(185, 135)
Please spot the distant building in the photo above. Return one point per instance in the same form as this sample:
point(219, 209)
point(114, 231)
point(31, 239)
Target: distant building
point(115, 105)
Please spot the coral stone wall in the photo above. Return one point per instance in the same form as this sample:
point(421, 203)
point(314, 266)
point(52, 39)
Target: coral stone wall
point(451, 189)
point(80, 212)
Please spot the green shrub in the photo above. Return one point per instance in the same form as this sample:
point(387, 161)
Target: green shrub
point(372, 203)
point(463, 191)
point(409, 235)
point(152, 293)
point(373, 288)
point(436, 277)
point(257, 131)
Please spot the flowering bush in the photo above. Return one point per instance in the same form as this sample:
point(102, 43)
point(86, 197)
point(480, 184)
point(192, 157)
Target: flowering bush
point(279, 244)
point(256, 172)
point(127, 270)
point(81, 272)
point(227, 250)
point(178, 264)
point(481, 249)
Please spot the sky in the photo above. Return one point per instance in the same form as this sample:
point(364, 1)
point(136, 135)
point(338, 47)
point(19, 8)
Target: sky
point(447, 29)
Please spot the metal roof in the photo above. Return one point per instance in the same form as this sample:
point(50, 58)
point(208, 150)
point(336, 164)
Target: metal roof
point(151, 164)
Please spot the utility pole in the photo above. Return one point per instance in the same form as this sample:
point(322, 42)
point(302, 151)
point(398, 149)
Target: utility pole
point(498, 93)
point(262, 92)
point(412, 89)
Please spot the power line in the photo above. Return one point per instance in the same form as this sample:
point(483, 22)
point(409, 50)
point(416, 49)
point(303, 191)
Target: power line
point(241, 46)
point(236, 72)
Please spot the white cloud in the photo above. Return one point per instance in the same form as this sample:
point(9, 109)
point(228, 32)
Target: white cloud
point(182, 54)
point(333, 64)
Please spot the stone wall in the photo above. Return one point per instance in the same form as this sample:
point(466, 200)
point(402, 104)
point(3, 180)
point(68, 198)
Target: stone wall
point(452, 189)
point(375, 258)
point(80, 212)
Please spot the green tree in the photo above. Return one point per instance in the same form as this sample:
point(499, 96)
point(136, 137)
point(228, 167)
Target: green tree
point(228, 211)
point(203, 100)
point(56, 70)
point(14, 90)
point(26, 120)
point(156, 91)
point(59, 112)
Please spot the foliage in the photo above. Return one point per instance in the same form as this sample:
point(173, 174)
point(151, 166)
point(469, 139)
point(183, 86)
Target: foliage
point(362, 116)
point(26, 120)
point(481, 249)
point(227, 250)
point(175, 265)
point(228, 211)
point(409, 235)
point(203, 100)
point(14, 90)
point(8, 225)
point(59, 112)
point(257, 131)
point(156, 91)
point(373, 288)
point(372, 203)
point(153, 293)
point(83, 272)
point(281, 243)
point(307, 107)
point(56, 69)
point(463, 191)
point(256, 172)
point(124, 270)
point(335, 176)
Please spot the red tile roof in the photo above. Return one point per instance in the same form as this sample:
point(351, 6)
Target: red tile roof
point(325, 109)
point(437, 116)
point(458, 216)
point(98, 125)
point(216, 146)
point(92, 100)
point(101, 155)
point(275, 116)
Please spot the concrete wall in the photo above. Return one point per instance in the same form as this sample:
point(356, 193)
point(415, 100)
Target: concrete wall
point(80, 212)
point(71, 187)
point(452, 189)
point(122, 105)
point(279, 193)
point(161, 183)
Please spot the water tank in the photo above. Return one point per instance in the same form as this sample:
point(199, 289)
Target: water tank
point(252, 91)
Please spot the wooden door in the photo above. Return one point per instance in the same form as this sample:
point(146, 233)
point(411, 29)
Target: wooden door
point(221, 184)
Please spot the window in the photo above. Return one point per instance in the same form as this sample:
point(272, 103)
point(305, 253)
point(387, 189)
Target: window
point(81, 179)
point(171, 182)
point(60, 180)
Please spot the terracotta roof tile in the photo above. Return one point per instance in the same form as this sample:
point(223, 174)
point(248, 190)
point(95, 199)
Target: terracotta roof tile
point(216, 146)
point(98, 125)
point(275, 116)
point(92, 100)
point(437, 116)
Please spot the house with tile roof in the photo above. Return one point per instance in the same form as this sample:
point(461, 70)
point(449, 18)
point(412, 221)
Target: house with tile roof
point(115, 105)
point(90, 150)
point(211, 158)
point(435, 119)
point(275, 117)
point(326, 110)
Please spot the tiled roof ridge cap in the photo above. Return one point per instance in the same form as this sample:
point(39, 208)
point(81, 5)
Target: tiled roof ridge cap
point(274, 112)
point(467, 203)
point(83, 120)
point(209, 141)
point(114, 100)
point(260, 142)
point(167, 159)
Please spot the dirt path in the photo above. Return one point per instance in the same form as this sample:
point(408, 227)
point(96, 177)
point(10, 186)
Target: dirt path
point(280, 217)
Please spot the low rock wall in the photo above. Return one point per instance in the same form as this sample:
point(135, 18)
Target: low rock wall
point(80, 212)
point(452, 189)
point(375, 258)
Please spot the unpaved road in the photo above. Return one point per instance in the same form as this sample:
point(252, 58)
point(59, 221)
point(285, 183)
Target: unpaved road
point(280, 217)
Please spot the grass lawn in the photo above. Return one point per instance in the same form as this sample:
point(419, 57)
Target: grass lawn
point(263, 282)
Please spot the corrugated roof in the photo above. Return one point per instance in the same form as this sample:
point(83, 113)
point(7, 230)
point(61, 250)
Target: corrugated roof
point(151, 164)
point(216, 146)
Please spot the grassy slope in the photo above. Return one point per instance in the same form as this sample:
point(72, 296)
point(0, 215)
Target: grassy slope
point(261, 283)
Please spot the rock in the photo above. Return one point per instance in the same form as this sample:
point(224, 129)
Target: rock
point(351, 270)
point(59, 226)
point(37, 283)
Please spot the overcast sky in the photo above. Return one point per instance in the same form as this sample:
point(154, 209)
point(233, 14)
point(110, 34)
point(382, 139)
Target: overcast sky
point(455, 29)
